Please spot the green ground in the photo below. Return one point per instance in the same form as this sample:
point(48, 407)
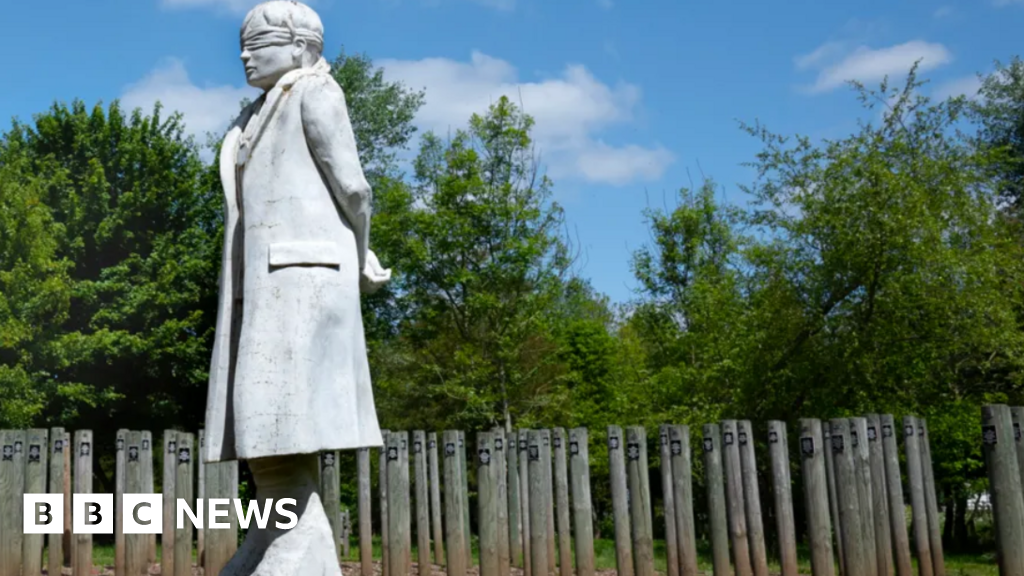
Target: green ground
point(604, 551)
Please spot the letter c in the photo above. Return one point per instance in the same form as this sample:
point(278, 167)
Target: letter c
point(138, 519)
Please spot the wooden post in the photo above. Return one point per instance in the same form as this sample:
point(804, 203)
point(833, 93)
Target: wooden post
point(346, 533)
point(668, 502)
point(833, 495)
point(501, 477)
point(221, 483)
point(148, 488)
point(385, 537)
point(894, 491)
point(136, 546)
point(620, 502)
point(915, 479)
point(717, 508)
point(121, 438)
point(365, 513)
point(170, 460)
point(583, 516)
point(562, 503)
point(403, 457)
point(879, 496)
point(419, 455)
point(487, 503)
point(865, 499)
point(330, 486)
point(398, 505)
point(639, 501)
point(435, 501)
point(455, 540)
point(36, 449)
point(752, 498)
point(549, 496)
point(782, 487)
point(12, 488)
point(538, 502)
point(515, 527)
point(200, 468)
point(82, 563)
point(819, 525)
point(734, 499)
point(1004, 487)
point(55, 542)
point(69, 541)
point(844, 462)
point(467, 523)
point(931, 500)
point(184, 475)
point(524, 501)
point(682, 493)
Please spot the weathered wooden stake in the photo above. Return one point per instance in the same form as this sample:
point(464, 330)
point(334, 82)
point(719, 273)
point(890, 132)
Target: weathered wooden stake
point(136, 545)
point(55, 542)
point(1004, 487)
point(930, 499)
point(70, 542)
point(844, 461)
point(487, 501)
point(455, 540)
point(819, 525)
point(562, 503)
point(222, 484)
point(620, 503)
point(12, 486)
point(894, 492)
point(538, 503)
point(833, 495)
point(184, 489)
point(865, 499)
point(735, 501)
point(403, 456)
point(346, 533)
point(330, 487)
point(583, 517)
point(170, 461)
point(120, 439)
point(382, 480)
point(419, 455)
point(718, 514)
point(782, 488)
point(82, 563)
point(36, 448)
point(549, 496)
point(501, 477)
point(149, 488)
point(200, 469)
point(515, 527)
point(524, 500)
point(752, 498)
point(879, 496)
point(918, 507)
point(682, 495)
point(365, 513)
point(639, 501)
point(398, 505)
point(668, 502)
point(435, 501)
point(467, 525)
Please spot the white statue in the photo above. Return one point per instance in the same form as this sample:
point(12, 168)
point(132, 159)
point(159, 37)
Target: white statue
point(289, 376)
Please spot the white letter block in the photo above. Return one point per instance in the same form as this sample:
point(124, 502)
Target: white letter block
point(44, 514)
point(92, 514)
point(143, 513)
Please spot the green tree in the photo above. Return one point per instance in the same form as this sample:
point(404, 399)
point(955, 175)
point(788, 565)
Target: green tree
point(998, 114)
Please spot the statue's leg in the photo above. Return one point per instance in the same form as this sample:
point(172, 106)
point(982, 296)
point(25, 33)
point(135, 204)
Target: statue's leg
point(308, 547)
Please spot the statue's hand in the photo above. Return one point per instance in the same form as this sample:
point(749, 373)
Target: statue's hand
point(374, 275)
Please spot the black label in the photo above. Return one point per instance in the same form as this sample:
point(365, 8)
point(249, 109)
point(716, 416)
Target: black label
point(534, 452)
point(202, 441)
point(522, 445)
point(574, 448)
point(145, 444)
point(172, 447)
point(328, 459)
point(120, 444)
point(18, 447)
point(677, 447)
point(499, 444)
point(8, 452)
point(664, 439)
point(743, 438)
point(393, 453)
point(920, 431)
point(34, 452)
point(558, 442)
point(433, 444)
point(58, 446)
point(85, 449)
point(545, 440)
point(404, 447)
point(449, 449)
point(461, 443)
point(417, 447)
point(872, 434)
point(807, 446)
point(709, 444)
point(773, 437)
point(1016, 431)
point(837, 444)
point(853, 438)
point(988, 435)
point(633, 451)
point(133, 453)
point(728, 438)
point(908, 430)
point(485, 457)
point(613, 442)
point(886, 431)
point(184, 455)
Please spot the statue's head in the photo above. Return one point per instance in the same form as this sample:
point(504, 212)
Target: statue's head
point(277, 37)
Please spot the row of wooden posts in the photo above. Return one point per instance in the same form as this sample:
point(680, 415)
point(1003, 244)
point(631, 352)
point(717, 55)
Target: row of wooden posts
point(534, 505)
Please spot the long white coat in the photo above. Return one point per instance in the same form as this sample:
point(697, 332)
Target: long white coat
point(289, 373)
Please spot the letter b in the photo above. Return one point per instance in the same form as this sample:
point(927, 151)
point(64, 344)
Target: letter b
point(93, 514)
point(43, 514)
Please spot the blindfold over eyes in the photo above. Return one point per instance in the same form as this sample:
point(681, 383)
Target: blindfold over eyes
point(271, 36)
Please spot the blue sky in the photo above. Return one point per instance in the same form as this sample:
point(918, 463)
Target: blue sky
point(630, 97)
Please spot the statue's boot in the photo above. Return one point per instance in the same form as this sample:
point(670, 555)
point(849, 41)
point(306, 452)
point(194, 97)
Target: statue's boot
point(307, 549)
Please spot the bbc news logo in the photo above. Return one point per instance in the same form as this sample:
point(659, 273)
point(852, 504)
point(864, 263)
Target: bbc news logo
point(143, 513)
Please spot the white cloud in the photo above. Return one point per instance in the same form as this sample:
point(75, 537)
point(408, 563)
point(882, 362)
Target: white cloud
point(205, 109)
point(966, 86)
point(571, 112)
point(870, 65)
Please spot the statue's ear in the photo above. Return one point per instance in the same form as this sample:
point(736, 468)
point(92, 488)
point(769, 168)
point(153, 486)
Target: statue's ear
point(299, 47)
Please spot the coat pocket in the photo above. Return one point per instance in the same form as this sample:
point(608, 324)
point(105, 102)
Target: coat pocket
point(283, 254)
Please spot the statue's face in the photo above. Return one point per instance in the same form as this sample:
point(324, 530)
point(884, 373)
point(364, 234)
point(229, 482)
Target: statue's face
point(265, 63)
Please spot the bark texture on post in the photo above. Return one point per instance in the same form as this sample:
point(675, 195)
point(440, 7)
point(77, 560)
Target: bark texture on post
point(382, 479)
point(330, 493)
point(717, 509)
point(515, 514)
point(894, 491)
point(562, 503)
point(55, 542)
point(170, 461)
point(819, 525)
point(734, 500)
point(36, 449)
point(844, 461)
point(183, 488)
point(487, 501)
point(435, 499)
point(120, 439)
point(833, 496)
point(82, 563)
point(221, 483)
point(1004, 487)
point(136, 545)
point(620, 502)
point(455, 540)
point(419, 455)
point(500, 452)
point(549, 496)
point(639, 501)
point(538, 503)
point(682, 496)
point(865, 499)
point(918, 507)
point(400, 555)
point(782, 488)
point(579, 468)
point(879, 496)
point(931, 500)
point(12, 487)
point(524, 501)
point(365, 513)
point(200, 468)
point(467, 526)
point(668, 502)
point(752, 498)
point(148, 488)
